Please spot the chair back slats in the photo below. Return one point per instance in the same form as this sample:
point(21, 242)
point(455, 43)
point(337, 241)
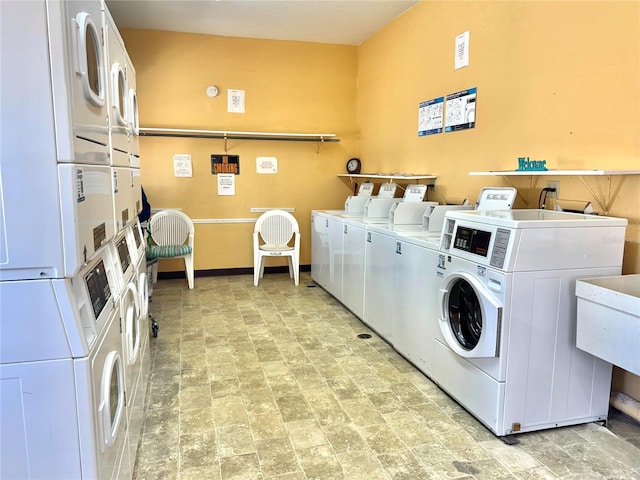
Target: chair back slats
point(276, 230)
point(170, 228)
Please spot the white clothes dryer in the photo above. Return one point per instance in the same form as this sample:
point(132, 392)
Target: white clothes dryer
point(62, 413)
point(118, 93)
point(47, 47)
point(138, 376)
point(132, 116)
point(73, 210)
point(505, 346)
point(127, 196)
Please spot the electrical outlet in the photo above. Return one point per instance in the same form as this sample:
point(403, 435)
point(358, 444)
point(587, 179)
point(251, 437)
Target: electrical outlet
point(556, 185)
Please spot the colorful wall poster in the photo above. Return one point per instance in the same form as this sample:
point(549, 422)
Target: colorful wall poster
point(430, 117)
point(460, 110)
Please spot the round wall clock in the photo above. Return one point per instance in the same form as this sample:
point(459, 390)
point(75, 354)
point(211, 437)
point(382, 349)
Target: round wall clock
point(353, 165)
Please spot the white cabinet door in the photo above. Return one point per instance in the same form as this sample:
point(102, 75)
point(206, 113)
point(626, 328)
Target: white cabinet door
point(415, 293)
point(320, 249)
point(379, 308)
point(336, 242)
point(353, 268)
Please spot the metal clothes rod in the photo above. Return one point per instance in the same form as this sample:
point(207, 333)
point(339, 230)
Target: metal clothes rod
point(237, 135)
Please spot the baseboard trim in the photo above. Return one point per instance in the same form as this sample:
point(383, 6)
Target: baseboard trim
point(223, 272)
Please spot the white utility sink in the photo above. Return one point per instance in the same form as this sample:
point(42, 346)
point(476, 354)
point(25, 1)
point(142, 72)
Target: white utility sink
point(609, 319)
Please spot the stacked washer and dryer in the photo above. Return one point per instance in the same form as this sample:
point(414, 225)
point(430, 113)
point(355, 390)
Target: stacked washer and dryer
point(73, 364)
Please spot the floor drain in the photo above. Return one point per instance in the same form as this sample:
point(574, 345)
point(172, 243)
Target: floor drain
point(364, 335)
point(311, 286)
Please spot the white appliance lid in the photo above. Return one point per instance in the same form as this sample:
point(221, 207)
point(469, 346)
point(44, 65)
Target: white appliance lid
point(496, 198)
point(387, 190)
point(366, 189)
point(414, 193)
point(536, 218)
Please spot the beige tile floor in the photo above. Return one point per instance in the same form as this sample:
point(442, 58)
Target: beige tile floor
point(271, 382)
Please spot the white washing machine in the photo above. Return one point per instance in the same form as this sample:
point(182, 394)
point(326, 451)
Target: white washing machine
point(415, 323)
point(129, 311)
point(505, 346)
point(137, 248)
point(49, 47)
point(62, 412)
point(135, 335)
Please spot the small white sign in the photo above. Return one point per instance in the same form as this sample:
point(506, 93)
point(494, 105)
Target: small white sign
point(267, 165)
point(226, 184)
point(235, 101)
point(182, 165)
point(462, 50)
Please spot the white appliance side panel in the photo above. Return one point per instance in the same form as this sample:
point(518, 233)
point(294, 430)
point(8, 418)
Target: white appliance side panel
point(38, 421)
point(549, 380)
point(415, 321)
point(568, 248)
point(353, 269)
point(476, 391)
point(379, 278)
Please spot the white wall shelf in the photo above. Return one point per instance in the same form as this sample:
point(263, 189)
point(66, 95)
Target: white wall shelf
point(225, 135)
point(390, 177)
point(604, 201)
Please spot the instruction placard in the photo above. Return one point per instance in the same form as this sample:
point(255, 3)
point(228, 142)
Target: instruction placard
point(460, 110)
point(226, 184)
point(235, 101)
point(266, 165)
point(430, 117)
point(182, 165)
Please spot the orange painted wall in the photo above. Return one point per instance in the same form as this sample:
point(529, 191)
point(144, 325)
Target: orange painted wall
point(289, 87)
point(558, 81)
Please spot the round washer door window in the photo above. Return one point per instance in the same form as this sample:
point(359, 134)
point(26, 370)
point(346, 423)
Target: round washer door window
point(465, 314)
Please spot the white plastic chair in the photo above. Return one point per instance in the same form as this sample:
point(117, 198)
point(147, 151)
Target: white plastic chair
point(271, 238)
point(172, 233)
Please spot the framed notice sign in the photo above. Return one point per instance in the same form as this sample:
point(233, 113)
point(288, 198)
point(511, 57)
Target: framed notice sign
point(225, 164)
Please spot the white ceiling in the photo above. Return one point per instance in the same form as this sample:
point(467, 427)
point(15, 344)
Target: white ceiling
point(345, 22)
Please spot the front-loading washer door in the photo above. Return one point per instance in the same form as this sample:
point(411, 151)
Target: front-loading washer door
point(470, 319)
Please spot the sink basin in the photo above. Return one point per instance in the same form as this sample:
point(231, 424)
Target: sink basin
point(608, 322)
